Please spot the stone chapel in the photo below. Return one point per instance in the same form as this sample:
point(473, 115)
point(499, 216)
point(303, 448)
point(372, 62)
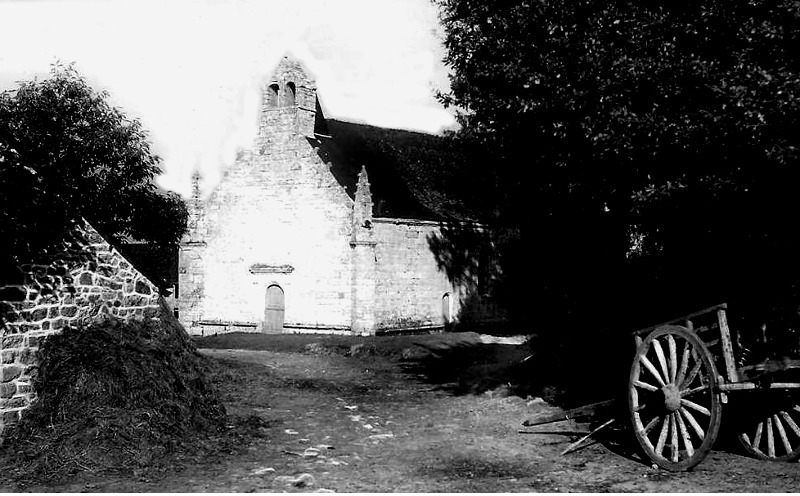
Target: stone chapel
point(313, 229)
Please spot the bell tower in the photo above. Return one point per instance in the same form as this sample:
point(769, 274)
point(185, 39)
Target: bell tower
point(288, 101)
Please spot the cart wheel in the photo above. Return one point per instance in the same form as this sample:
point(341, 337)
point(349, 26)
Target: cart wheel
point(674, 404)
point(774, 433)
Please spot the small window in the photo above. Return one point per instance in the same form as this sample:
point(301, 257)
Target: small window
point(289, 95)
point(272, 96)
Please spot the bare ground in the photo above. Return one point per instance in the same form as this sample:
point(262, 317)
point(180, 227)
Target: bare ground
point(389, 416)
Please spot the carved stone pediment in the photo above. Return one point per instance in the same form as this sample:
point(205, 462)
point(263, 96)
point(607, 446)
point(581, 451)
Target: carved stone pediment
point(261, 268)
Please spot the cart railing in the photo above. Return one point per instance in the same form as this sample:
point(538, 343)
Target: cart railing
point(728, 360)
point(684, 320)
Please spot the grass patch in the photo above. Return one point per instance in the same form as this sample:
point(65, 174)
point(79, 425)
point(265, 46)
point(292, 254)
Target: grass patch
point(385, 346)
point(307, 343)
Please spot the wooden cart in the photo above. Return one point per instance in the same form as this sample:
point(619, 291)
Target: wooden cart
point(683, 373)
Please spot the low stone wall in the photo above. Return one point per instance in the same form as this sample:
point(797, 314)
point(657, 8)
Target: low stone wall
point(88, 279)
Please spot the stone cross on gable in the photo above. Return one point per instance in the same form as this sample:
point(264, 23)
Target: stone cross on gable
point(196, 204)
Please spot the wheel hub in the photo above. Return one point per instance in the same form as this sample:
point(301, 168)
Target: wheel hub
point(672, 397)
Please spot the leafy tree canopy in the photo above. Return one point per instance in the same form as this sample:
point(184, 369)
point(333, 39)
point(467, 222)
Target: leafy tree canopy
point(66, 153)
point(647, 150)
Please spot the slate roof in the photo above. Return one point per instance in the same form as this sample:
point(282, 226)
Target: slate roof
point(408, 171)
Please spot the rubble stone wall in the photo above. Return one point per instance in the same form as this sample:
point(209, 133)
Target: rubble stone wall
point(87, 279)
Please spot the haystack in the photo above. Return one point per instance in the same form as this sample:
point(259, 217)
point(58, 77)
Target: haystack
point(113, 396)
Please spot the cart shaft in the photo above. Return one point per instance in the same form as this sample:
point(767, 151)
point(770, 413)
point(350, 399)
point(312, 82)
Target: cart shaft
point(751, 386)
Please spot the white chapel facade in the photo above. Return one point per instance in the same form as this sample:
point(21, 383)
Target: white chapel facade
point(293, 238)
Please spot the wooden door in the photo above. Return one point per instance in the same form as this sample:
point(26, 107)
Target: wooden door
point(274, 310)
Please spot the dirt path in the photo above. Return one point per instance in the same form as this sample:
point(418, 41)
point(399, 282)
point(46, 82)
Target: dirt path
point(367, 424)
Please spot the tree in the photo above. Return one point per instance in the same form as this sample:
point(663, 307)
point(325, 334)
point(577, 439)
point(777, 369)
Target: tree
point(647, 150)
point(66, 153)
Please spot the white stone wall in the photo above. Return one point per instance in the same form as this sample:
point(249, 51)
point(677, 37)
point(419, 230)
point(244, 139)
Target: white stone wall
point(276, 206)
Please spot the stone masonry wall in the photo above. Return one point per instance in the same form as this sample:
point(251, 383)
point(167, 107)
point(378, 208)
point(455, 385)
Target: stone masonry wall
point(413, 279)
point(409, 286)
point(276, 218)
point(88, 279)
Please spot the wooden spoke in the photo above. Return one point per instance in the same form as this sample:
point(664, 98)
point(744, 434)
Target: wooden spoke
point(684, 364)
point(662, 437)
point(791, 423)
point(689, 392)
point(694, 406)
point(774, 423)
point(674, 444)
point(770, 439)
point(759, 431)
point(692, 374)
point(782, 434)
point(649, 366)
point(687, 439)
point(645, 385)
point(661, 359)
point(695, 425)
point(651, 424)
point(673, 358)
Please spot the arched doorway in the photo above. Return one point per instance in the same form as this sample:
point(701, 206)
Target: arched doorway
point(447, 315)
point(274, 309)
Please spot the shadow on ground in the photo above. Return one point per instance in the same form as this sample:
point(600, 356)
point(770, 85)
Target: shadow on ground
point(473, 368)
point(462, 364)
point(567, 380)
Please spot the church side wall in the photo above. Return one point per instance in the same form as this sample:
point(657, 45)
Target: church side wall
point(419, 262)
point(409, 284)
point(45, 298)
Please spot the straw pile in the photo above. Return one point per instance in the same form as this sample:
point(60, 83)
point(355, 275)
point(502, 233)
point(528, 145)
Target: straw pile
point(114, 396)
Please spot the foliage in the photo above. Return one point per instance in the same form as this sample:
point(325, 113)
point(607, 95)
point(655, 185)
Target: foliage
point(113, 396)
point(65, 152)
point(647, 151)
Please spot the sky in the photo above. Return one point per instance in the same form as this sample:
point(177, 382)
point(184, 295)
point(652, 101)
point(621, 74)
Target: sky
point(190, 70)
